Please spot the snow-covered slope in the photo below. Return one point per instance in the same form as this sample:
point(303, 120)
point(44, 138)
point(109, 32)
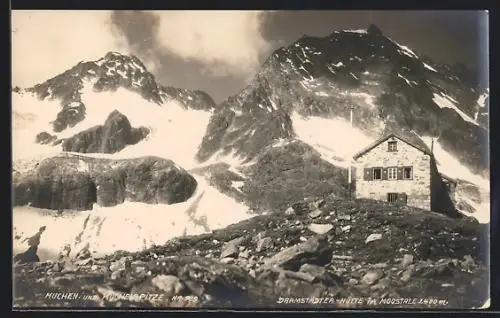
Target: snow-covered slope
point(130, 226)
point(175, 133)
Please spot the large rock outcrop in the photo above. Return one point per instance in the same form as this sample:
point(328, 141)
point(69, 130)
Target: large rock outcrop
point(70, 115)
point(113, 136)
point(75, 182)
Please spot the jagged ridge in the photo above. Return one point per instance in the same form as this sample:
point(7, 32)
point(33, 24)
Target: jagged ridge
point(387, 84)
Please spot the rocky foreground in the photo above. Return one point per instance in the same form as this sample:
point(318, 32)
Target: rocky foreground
point(339, 253)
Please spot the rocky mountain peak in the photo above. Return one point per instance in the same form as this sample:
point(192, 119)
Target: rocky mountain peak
point(121, 60)
point(388, 83)
point(113, 71)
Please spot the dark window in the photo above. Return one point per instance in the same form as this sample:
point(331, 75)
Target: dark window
point(407, 173)
point(392, 197)
point(392, 146)
point(377, 173)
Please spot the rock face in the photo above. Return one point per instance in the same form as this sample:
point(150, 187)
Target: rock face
point(113, 136)
point(71, 114)
point(55, 186)
point(250, 132)
point(45, 138)
point(294, 170)
point(30, 255)
point(387, 83)
point(73, 182)
point(279, 177)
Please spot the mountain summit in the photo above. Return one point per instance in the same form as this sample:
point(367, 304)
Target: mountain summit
point(113, 71)
point(386, 84)
point(373, 29)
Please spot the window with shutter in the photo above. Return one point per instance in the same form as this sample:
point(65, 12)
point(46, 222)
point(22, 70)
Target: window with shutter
point(407, 173)
point(400, 173)
point(402, 198)
point(367, 175)
point(377, 173)
point(384, 174)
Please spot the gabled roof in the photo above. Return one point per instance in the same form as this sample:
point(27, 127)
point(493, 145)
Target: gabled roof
point(409, 138)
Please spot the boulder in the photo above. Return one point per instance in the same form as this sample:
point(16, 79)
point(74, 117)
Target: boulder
point(156, 180)
point(407, 260)
point(320, 274)
point(314, 214)
point(229, 250)
point(320, 228)
point(314, 251)
point(372, 277)
point(169, 284)
point(264, 244)
point(373, 237)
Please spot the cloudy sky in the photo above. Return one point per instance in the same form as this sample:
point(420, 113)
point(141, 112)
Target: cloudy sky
point(219, 51)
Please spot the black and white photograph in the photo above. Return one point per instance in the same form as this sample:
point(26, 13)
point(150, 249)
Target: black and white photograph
point(280, 159)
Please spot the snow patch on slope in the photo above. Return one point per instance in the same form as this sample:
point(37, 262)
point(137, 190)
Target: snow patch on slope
point(404, 50)
point(450, 166)
point(131, 226)
point(406, 80)
point(445, 101)
point(481, 101)
point(359, 31)
point(322, 134)
point(31, 116)
point(482, 209)
point(427, 66)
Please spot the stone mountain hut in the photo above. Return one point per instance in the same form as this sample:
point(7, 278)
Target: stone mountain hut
point(401, 169)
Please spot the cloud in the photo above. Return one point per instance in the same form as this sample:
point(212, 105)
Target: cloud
point(46, 43)
point(225, 42)
point(139, 29)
